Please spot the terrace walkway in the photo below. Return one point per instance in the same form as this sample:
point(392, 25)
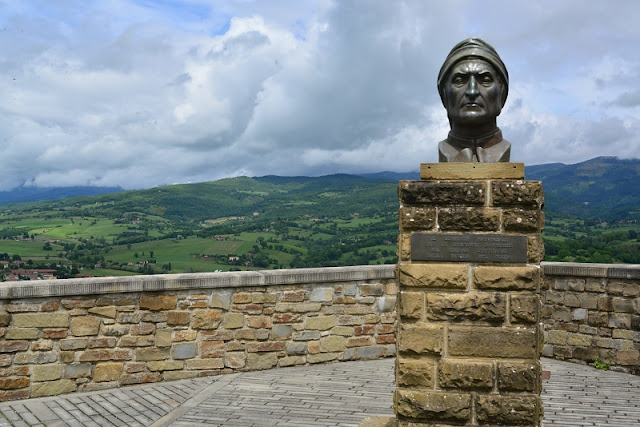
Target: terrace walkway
point(339, 394)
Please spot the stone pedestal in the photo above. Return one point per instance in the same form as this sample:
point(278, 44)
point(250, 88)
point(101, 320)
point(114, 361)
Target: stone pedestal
point(468, 336)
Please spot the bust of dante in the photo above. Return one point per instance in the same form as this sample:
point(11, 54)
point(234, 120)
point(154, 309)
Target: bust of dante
point(473, 84)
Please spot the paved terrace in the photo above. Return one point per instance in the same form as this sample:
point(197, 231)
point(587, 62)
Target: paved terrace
point(338, 394)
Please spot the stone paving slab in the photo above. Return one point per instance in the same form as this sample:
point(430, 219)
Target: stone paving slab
point(339, 394)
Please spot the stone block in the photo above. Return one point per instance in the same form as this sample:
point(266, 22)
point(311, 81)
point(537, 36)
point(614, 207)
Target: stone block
point(291, 361)
point(386, 304)
point(281, 332)
point(52, 388)
point(263, 298)
point(332, 343)
point(245, 334)
point(235, 359)
point(438, 276)
point(299, 347)
point(521, 377)
point(21, 334)
point(308, 307)
point(415, 372)
point(517, 193)
point(184, 351)
point(158, 302)
point(524, 308)
point(482, 341)
point(78, 370)
point(256, 347)
point(14, 383)
point(153, 353)
point(141, 378)
point(441, 193)
point(506, 278)
point(535, 249)
point(178, 318)
point(435, 406)
point(163, 337)
point(42, 345)
point(404, 246)
point(33, 358)
point(454, 307)
point(469, 219)
point(508, 410)
point(260, 361)
point(293, 296)
point(517, 220)
point(113, 330)
point(41, 320)
point(5, 319)
point(107, 371)
point(420, 338)
point(359, 341)
point(185, 335)
point(54, 333)
point(143, 329)
point(204, 364)
point(628, 357)
point(416, 218)
point(321, 294)
point(128, 317)
point(221, 299)
point(46, 372)
point(73, 344)
point(106, 311)
point(322, 357)
point(371, 289)
point(259, 322)
point(321, 323)
point(233, 320)
point(212, 349)
point(463, 375)
point(165, 365)
point(206, 318)
point(179, 375)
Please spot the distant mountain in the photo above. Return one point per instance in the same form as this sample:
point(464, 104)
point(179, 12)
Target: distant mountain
point(604, 187)
point(34, 194)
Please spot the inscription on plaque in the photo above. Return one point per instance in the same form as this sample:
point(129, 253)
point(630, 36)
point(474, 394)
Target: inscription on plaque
point(468, 247)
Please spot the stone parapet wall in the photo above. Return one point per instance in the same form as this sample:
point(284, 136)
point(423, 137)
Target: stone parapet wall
point(591, 312)
point(88, 334)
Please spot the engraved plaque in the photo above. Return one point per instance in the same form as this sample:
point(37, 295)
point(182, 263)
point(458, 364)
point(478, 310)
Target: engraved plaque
point(468, 247)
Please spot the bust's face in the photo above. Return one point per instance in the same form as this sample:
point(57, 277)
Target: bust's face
point(473, 93)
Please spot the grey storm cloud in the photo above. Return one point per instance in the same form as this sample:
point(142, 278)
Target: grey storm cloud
point(140, 94)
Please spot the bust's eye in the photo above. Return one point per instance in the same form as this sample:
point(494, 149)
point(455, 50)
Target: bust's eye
point(486, 79)
point(457, 80)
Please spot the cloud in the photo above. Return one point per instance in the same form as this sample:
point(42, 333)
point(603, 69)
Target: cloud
point(144, 93)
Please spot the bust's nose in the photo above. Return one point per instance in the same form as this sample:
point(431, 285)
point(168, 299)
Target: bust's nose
point(472, 88)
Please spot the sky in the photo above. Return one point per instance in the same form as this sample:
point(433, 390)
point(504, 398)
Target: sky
point(143, 93)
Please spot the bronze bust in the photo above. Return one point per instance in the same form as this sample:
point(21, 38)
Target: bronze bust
point(473, 84)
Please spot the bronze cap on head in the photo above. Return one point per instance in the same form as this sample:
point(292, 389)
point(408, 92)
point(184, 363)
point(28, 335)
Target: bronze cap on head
point(474, 48)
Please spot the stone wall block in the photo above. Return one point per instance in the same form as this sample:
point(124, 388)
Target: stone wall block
point(468, 219)
point(517, 193)
point(159, 302)
point(470, 307)
point(321, 323)
point(524, 308)
point(535, 249)
point(521, 410)
point(518, 220)
point(437, 276)
point(441, 193)
point(109, 371)
point(415, 372)
point(404, 246)
point(506, 278)
point(411, 305)
point(465, 375)
point(206, 318)
point(41, 320)
point(433, 406)
point(521, 377)
point(52, 388)
point(420, 338)
point(416, 218)
point(481, 341)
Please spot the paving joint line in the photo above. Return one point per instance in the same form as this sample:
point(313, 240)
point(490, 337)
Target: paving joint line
point(194, 401)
